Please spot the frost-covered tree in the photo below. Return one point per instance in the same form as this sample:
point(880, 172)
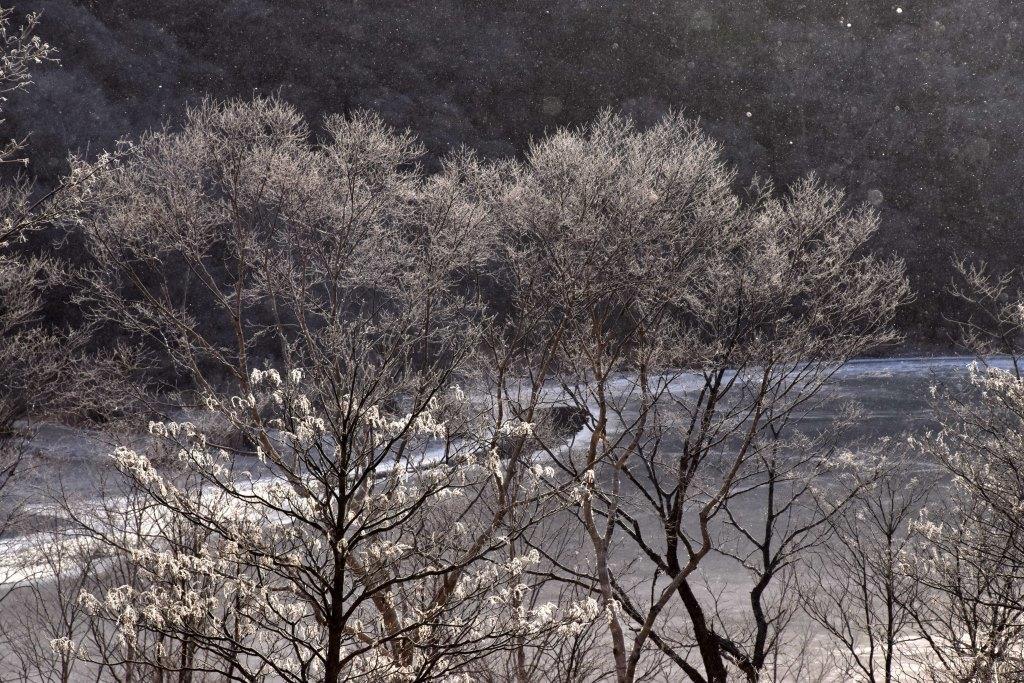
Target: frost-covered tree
point(19, 278)
point(993, 324)
point(923, 582)
point(356, 463)
point(970, 562)
point(40, 366)
point(328, 503)
point(693, 329)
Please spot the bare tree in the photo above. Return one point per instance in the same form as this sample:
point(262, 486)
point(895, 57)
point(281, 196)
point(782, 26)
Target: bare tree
point(859, 591)
point(45, 615)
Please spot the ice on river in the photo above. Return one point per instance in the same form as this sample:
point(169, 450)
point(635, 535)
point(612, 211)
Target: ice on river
point(892, 393)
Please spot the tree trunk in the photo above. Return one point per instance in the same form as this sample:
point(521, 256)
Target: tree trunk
point(707, 640)
point(335, 618)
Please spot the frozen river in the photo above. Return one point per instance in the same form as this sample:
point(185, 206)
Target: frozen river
point(891, 392)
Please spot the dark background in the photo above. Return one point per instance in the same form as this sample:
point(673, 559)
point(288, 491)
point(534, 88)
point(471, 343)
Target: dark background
point(920, 112)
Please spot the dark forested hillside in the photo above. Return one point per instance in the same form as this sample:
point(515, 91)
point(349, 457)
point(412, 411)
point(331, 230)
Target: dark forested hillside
point(917, 108)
